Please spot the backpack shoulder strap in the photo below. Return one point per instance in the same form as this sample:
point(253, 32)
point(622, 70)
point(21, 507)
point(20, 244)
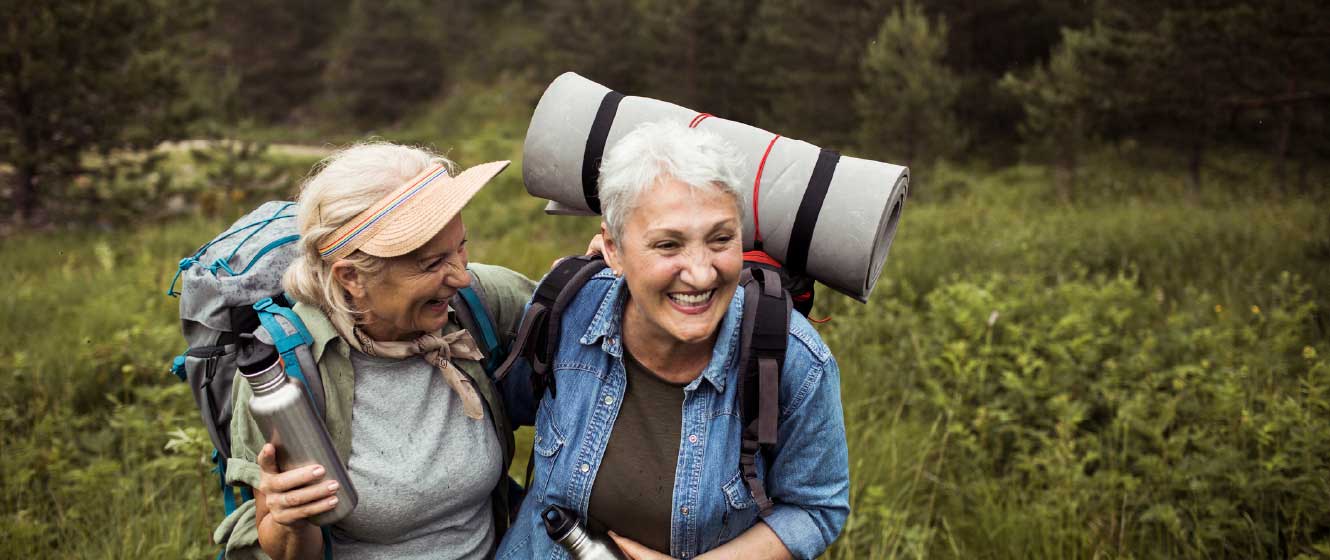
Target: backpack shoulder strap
point(469, 304)
point(763, 336)
point(537, 336)
point(290, 345)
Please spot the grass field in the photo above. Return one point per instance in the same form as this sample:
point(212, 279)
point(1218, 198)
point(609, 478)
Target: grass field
point(1140, 373)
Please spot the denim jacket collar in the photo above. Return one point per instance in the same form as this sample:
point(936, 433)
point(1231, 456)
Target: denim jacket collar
point(607, 326)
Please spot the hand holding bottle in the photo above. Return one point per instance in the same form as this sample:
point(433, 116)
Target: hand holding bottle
point(292, 497)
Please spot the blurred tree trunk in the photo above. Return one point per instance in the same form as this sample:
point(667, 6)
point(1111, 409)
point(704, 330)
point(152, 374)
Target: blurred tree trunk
point(1194, 161)
point(1287, 113)
point(25, 195)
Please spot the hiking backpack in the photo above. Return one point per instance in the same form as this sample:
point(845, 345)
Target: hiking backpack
point(768, 303)
point(233, 285)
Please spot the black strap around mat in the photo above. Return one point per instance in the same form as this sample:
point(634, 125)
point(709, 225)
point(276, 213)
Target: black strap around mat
point(595, 148)
point(805, 220)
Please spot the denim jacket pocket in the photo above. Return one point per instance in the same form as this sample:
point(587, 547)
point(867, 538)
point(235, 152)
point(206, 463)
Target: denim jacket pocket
point(547, 442)
point(740, 510)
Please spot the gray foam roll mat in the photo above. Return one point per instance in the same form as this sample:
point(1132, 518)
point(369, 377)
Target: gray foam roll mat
point(850, 233)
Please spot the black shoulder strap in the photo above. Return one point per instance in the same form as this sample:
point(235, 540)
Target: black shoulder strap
point(537, 336)
point(764, 332)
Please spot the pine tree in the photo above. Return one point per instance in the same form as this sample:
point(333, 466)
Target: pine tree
point(801, 63)
point(79, 76)
point(906, 102)
point(1063, 108)
point(275, 49)
point(386, 60)
point(603, 40)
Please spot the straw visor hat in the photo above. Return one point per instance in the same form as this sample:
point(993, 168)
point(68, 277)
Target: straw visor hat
point(411, 215)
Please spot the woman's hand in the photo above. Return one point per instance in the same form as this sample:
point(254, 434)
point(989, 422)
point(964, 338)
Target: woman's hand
point(284, 502)
point(597, 245)
point(292, 497)
point(594, 247)
point(635, 550)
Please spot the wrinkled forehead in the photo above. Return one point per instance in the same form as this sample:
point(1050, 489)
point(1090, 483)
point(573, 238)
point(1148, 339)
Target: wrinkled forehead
point(678, 205)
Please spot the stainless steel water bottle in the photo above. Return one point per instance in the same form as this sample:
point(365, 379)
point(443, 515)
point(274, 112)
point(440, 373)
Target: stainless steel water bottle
point(565, 528)
point(288, 421)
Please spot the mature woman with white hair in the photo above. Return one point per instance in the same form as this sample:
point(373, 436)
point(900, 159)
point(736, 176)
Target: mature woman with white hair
point(643, 438)
point(409, 408)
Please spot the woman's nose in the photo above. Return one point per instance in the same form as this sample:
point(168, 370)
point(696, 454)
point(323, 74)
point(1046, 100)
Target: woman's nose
point(699, 270)
point(457, 278)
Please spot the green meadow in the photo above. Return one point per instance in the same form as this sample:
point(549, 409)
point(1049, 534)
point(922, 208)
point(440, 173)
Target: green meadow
point(1141, 373)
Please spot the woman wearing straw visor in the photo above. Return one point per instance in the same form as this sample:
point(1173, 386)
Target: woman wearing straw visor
point(643, 437)
point(409, 408)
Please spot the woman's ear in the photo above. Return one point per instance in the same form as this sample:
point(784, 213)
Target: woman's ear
point(611, 249)
point(349, 278)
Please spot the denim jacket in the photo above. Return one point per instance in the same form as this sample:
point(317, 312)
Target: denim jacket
point(807, 475)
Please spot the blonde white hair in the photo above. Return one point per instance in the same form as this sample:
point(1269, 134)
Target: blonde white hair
point(657, 151)
point(338, 189)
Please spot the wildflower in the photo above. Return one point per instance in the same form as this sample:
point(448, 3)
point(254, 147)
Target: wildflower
point(1309, 352)
point(1219, 308)
point(1256, 310)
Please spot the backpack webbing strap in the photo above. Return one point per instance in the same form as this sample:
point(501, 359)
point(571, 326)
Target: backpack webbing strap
point(327, 541)
point(762, 354)
point(537, 337)
point(479, 317)
point(287, 343)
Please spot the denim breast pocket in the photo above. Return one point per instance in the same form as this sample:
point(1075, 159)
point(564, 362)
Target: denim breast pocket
point(547, 442)
point(740, 509)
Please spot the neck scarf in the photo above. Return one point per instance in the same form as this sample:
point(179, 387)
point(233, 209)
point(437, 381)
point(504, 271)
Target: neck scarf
point(438, 349)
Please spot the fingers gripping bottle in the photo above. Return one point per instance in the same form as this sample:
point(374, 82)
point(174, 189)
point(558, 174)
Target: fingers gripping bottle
point(287, 419)
point(564, 528)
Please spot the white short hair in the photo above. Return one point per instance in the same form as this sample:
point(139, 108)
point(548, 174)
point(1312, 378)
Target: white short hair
point(665, 150)
point(338, 189)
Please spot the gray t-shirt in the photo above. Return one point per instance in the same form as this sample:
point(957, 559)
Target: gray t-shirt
point(423, 470)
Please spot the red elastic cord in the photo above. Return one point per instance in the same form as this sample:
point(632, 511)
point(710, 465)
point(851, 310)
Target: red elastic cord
point(757, 182)
point(761, 257)
point(698, 119)
point(826, 319)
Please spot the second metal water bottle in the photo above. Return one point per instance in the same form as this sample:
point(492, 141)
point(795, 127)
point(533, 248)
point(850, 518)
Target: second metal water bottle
point(287, 419)
point(564, 528)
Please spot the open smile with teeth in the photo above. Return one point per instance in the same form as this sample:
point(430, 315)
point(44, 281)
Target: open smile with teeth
point(692, 299)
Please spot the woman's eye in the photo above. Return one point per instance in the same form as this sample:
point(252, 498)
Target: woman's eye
point(434, 264)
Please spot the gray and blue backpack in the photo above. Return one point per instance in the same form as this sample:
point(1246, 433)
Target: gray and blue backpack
point(232, 286)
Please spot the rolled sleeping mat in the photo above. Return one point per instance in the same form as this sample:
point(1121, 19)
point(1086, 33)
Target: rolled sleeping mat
point(828, 216)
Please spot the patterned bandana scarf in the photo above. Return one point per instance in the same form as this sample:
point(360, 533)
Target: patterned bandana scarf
point(438, 349)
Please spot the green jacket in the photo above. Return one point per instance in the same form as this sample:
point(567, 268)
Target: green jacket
point(505, 294)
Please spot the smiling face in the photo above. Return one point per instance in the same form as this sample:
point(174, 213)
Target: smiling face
point(410, 296)
point(680, 252)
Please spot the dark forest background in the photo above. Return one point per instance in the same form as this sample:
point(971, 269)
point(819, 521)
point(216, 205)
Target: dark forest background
point(994, 81)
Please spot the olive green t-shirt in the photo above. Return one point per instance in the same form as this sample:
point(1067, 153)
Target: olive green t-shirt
point(634, 489)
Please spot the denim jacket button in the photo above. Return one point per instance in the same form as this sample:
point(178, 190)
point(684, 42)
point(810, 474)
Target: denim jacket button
point(692, 438)
point(609, 400)
point(684, 510)
point(587, 468)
